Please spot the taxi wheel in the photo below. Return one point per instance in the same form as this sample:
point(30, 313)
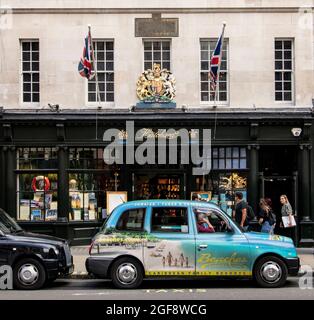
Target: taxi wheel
point(127, 273)
point(29, 274)
point(270, 272)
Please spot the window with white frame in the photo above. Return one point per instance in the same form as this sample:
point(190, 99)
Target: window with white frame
point(104, 58)
point(157, 51)
point(284, 70)
point(207, 48)
point(30, 71)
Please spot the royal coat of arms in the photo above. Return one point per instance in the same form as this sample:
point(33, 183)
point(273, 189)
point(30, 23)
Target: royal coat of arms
point(156, 85)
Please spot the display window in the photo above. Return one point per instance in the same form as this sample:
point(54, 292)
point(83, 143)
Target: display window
point(37, 196)
point(37, 184)
point(89, 180)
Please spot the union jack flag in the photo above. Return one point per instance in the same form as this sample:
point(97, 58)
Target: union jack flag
point(215, 62)
point(85, 66)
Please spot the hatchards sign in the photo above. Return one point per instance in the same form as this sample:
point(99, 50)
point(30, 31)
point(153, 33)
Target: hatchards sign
point(156, 27)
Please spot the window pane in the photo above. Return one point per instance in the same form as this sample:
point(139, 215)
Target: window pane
point(35, 56)
point(278, 44)
point(287, 76)
point(27, 87)
point(26, 66)
point(26, 46)
point(278, 86)
point(288, 65)
point(287, 96)
point(278, 96)
point(35, 97)
point(35, 46)
point(109, 45)
point(278, 65)
point(35, 87)
point(204, 96)
point(27, 97)
point(288, 44)
point(35, 66)
point(278, 55)
point(170, 220)
point(287, 86)
point(278, 76)
point(204, 86)
point(132, 220)
point(27, 77)
point(148, 55)
point(157, 45)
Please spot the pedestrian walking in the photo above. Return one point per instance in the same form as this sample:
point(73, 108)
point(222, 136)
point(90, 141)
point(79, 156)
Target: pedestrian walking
point(287, 224)
point(241, 211)
point(266, 217)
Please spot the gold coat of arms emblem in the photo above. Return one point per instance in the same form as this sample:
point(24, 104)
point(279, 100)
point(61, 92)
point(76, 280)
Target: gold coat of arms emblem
point(156, 85)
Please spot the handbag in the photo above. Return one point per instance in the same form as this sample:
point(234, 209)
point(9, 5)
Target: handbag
point(286, 221)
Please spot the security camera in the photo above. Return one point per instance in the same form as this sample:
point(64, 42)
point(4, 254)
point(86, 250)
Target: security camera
point(296, 132)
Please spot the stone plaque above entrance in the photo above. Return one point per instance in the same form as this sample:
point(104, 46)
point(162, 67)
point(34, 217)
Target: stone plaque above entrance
point(156, 26)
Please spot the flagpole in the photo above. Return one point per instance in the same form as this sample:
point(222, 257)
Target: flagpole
point(218, 74)
point(98, 98)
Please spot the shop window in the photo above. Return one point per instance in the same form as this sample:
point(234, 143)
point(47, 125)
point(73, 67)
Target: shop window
point(132, 220)
point(207, 48)
point(222, 186)
point(87, 193)
point(37, 196)
point(157, 51)
point(30, 71)
point(284, 61)
point(37, 188)
point(170, 220)
point(37, 158)
point(87, 158)
point(229, 158)
point(104, 56)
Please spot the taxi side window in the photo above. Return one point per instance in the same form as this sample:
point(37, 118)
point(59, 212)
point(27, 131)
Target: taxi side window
point(170, 220)
point(209, 219)
point(131, 220)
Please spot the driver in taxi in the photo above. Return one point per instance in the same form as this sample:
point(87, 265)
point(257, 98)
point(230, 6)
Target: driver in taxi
point(203, 224)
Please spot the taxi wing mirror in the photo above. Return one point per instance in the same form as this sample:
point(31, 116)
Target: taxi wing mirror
point(229, 229)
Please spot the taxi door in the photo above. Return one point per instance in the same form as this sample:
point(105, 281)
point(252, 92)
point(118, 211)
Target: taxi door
point(170, 247)
point(223, 253)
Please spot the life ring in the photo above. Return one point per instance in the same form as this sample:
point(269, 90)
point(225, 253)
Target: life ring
point(40, 178)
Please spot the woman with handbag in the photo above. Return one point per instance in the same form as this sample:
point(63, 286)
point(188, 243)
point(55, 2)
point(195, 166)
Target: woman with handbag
point(288, 221)
point(266, 218)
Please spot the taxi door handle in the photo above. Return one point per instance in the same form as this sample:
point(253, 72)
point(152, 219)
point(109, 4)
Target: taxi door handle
point(202, 246)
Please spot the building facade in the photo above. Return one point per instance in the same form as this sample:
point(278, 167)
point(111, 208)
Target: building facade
point(53, 178)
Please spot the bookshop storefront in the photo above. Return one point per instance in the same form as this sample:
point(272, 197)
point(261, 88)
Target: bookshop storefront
point(54, 179)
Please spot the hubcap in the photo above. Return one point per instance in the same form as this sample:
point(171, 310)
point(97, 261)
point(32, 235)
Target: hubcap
point(127, 273)
point(28, 274)
point(271, 272)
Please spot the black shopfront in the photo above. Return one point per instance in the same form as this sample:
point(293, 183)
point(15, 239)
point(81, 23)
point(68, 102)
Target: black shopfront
point(54, 180)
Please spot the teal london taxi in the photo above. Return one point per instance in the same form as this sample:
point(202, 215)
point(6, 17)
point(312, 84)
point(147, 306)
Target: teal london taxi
point(162, 238)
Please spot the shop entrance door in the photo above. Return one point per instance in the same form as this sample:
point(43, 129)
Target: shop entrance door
point(158, 185)
point(274, 186)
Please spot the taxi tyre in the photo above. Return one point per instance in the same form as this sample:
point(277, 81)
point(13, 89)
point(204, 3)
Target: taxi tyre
point(35, 267)
point(262, 264)
point(128, 265)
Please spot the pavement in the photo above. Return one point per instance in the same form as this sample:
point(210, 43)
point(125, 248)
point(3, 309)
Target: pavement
point(80, 254)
